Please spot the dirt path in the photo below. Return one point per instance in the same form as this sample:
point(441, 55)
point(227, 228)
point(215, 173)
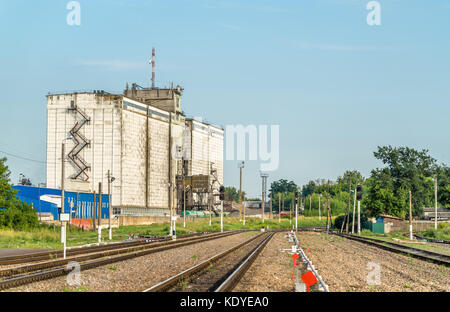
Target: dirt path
point(345, 265)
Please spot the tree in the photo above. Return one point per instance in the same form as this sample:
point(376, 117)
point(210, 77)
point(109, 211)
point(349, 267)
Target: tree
point(13, 213)
point(443, 177)
point(232, 194)
point(382, 198)
point(308, 189)
point(283, 186)
point(406, 170)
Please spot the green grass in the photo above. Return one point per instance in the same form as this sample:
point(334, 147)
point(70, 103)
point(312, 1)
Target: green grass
point(47, 237)
point(79, 289)
point(442, 232)
point(400, 235)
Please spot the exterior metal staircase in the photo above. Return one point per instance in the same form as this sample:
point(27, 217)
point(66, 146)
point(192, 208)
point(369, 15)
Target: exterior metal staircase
point(80, 143)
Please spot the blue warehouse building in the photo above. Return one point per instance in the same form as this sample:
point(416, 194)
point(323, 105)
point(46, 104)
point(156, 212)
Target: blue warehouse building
point(48, 200)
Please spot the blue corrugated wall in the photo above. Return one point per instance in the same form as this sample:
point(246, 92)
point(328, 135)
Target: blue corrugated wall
point(79, 204)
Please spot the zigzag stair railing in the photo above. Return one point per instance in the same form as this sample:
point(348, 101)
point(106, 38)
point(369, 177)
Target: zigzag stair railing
point(81, 143)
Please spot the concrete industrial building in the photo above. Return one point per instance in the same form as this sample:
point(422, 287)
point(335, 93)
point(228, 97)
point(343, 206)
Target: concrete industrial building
point(152, 150)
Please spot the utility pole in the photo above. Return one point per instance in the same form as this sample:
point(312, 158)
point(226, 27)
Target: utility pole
point(264, 184)
point(354, 208)
point(346, 219)
point(209, 206)
point(174, 213)
point(184, 202)
point(320, 196)
point(63, 227)
point(435, 204)
point(221, 216)
point(170, 208)
point(94, 211)
point(63, 148)
point(279, 207)
point(310, 199)
point(410, 217)
point(39, 195)
point(328, 209)
point(109, 204)
point(290, 212)
point(271, 212)
point(99, 203)
point(296, 210)
point(241, 166)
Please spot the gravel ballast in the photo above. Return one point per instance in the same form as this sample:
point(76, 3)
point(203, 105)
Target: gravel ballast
point(272, 270)
point(139, 273)
point(345, 265)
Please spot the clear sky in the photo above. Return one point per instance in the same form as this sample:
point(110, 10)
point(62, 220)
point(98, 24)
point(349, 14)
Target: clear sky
point(336, 86)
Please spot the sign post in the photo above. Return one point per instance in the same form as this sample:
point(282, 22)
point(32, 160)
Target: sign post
point(64, 218)
point(174, 227)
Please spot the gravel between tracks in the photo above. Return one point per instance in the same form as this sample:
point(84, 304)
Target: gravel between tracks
point(139, 273)
point(208, 279)
point(344, 266)
point(272, 270)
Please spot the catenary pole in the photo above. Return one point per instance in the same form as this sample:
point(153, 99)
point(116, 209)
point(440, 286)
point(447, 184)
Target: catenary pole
point(410, 217)
point(354, 208)
point(109, 205)
point(435, 204)
point(99, 203)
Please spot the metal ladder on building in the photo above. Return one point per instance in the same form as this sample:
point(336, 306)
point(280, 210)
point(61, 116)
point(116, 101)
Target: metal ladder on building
point(81, 143)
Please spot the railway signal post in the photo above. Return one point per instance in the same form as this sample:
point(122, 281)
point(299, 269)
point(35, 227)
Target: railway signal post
point(359, 198)
point(222, 197)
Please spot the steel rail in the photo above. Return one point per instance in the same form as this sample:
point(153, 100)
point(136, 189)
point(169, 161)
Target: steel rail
point(46, 255)
point(8, 272)
point(431, 240)
point(234, 278)
point(397, 248)
point(173, 280)
point(62, 270)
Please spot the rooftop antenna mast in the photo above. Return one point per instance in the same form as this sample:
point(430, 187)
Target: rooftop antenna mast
point(153, 67)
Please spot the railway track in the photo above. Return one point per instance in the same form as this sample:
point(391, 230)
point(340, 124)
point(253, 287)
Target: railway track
point(398, 248)
point(25, 274)
point(220, 273)
point(431, 240)
point(49, 255)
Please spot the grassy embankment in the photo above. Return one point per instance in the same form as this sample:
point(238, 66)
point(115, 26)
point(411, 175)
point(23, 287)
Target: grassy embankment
point(442, 232)
point(402, 237)
point(49, 237)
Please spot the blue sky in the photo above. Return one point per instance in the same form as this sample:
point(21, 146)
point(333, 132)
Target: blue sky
point(337, 87)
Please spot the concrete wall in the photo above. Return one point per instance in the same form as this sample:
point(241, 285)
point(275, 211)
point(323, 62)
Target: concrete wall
point(103, 132)
point(117, 132)
point(418, 226)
